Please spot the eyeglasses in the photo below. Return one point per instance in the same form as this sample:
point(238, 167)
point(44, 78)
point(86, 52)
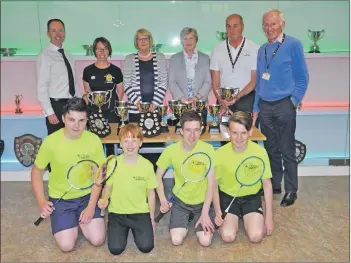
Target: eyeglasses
point(101, 49)
point(269, 25)
point(143, 39)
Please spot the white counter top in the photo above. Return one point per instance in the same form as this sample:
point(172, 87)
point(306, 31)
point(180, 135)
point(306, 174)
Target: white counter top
point(168, 55)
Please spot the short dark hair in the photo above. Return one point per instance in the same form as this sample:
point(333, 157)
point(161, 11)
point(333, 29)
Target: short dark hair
point(105, 42)
point(190, 116)
point(243, 118)
point(55, 20)
point(75, 104)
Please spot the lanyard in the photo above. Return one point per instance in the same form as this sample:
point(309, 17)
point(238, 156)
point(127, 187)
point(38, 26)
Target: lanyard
point(237, 56)
point(275, 52)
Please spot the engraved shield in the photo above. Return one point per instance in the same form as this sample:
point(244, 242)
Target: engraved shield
point(300, 151)
point(26, 148)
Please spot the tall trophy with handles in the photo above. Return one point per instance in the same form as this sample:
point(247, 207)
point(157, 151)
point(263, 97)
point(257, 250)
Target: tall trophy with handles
point(18, 99)
point(163, 111)
point(179, 109)
point(214, 111)
point(172, 121)
point(98, 124)
point(200, 106)
point(315, 36)
point(228, 94)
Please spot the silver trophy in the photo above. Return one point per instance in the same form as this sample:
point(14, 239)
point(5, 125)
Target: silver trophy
point(315, 36)
point(163, 111)
point(172, 120)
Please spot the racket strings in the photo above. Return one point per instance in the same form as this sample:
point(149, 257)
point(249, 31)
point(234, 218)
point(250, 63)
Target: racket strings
point(107, 169)
point(250, 171)
point(82, 174)
point(196, 167)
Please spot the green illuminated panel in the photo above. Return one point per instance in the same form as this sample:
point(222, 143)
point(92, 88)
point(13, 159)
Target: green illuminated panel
point(23, 24)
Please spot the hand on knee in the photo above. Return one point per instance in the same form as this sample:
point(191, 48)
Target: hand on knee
point(228, 237)
point(177, 240)
point(255, 237)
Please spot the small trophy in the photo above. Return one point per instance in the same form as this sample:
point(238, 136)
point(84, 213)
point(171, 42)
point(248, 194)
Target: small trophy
point(173, 120)
point(179, 109)
point(122, 112)
point(163, 110)
point(18, 102)
point(188, 105)
point(200, 106)
point(214, 111)
point(98, 124)
point(315, 36)
point(221, 35)
point(145, 107)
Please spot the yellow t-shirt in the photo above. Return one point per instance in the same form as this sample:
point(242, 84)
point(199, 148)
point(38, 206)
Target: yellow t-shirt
point(62, 153)
point(227, 162)
point(173, 155)
point(129, 186)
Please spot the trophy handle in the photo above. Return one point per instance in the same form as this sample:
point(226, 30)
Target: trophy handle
point(20, 97)
point(88, 95)
point(108, 95)
point(323, 31)
point(309, 34)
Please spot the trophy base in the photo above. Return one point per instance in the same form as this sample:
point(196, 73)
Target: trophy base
point(119, 126)
point(164, 129)
point(214, 129)
point(315, 51)
point(173, 122)
point(18, 112)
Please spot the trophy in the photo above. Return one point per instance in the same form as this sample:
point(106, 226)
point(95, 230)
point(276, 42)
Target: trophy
point(188, 105)
point(124, 104)
point(179, 109)
point(214, 111)
point(98, 124)
point(18, 102)
point(315, 36)
point(122, 112)
point(163, 110)
point(172, 121)
point(145, 107)
point(228, 94)
point(200, 106)
point(221, 35)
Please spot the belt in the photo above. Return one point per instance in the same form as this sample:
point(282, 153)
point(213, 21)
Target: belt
point(57, 100)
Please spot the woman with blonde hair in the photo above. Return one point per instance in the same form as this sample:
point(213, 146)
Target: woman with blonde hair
point(145, 74)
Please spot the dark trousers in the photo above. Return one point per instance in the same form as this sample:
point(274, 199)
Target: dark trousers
point(245, 103)
point(57, 106)
point(278, 124)
point(118, 230)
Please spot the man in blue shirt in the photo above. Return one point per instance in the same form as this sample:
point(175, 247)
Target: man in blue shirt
point(282, 80)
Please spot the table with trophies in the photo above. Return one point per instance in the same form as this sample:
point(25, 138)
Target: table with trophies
point(155, 127)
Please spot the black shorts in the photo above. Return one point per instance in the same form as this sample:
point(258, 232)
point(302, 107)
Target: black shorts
point(241, 205)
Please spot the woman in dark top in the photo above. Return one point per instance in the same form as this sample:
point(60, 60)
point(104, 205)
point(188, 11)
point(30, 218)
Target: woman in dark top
point(104, 76)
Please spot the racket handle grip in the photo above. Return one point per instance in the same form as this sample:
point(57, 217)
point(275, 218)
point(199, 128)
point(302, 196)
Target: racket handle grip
point(223, 217)
point(159, 217)
point(102, 213)
point(39, 221)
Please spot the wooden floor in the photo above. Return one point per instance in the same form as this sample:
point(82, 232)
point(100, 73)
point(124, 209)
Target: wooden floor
point(316, 228)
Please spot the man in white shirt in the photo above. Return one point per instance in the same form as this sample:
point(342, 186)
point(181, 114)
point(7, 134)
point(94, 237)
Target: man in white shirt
point(55, 74)
point(233, 64)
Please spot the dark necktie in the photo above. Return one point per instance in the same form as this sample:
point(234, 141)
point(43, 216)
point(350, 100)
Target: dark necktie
point(70, 73)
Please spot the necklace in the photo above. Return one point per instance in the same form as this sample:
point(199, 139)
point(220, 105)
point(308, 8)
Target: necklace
point(146, 56)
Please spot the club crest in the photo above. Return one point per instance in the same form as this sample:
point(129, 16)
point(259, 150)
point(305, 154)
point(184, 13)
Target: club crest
point(26, 148)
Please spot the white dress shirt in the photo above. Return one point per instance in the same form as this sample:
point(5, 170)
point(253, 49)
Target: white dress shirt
point(246, 62)
point(190, 63)
point(52, 77)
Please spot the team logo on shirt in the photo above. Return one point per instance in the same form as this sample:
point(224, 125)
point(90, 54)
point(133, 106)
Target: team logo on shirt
point(139, 178)
point(83, 156)
point(108, 78)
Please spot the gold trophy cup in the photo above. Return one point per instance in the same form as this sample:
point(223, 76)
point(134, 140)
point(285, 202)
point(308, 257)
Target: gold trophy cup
point(179, 109)
point(122, 112)
point(99, 98)
point(214, 111)
point(200, 105)
point(18, 102)
point(188, 105)
point(145, 107)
